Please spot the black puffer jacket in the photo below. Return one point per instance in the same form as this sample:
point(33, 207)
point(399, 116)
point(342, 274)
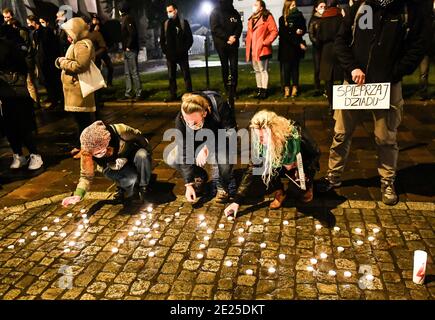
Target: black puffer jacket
point(221, 117)
point(391, 49)
point(225, 21)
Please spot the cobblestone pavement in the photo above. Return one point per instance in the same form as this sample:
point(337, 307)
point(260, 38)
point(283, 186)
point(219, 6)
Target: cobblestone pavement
point(177, 252)
point(48, 252)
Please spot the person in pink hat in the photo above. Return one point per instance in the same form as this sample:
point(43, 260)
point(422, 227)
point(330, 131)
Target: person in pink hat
point(121, 153)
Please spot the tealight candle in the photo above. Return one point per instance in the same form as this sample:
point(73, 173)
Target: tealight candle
point(310, 268)
point(84, 216)
point(241, 239)
point(228, 263)
point(249, 272)
point(241, 230)
point(121, 241)
point(263, 245)
point(21, 241)
point(332, 273)
point(230, 218)
point(248, 223)
point(138, 222)
point(56, 220)
point(151, 254)
point(155, 225)
point(51, 233)
point(44, 228)
point(167, 220)
point(134, 228)
point(148, 236)
point(152, 242)
point(150, 209)
point(82, 210)
point(143, 216)
point(80, 226)
point(340, 249)
point(371, 238)
point(337, 229)
point(285, 222)
point(313, 260)
point(200, 256)
point(359, 242)
point(201, 217)
point(114, 250)
point(358, 230)
point(203, 224)
point(318, 226)
point(376, 230)
point(266, 220)
point(69, 215)
point(209, 231)
point(146, 230)
point(370, 277)
point(347, 274)
point(77, 233)
point(34, 233)
point(281, 256)
point(67, 250)
point(63, 234)
point(11, 247)
point(202, 246)
point(177, 214)
point(221, 226)
point(323, 255)
point(71, 243)
point(272, 270)
point(130, 233)
point(86, 221)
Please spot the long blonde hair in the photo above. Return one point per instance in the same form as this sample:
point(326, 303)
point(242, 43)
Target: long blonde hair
point(286, 9)
point(279, 130)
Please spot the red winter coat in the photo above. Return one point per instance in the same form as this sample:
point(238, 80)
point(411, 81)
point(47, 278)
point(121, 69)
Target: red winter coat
point(260, 37)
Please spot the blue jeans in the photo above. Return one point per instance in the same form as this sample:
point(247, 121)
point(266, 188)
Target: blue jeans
point(131, 74)
point(137, 172)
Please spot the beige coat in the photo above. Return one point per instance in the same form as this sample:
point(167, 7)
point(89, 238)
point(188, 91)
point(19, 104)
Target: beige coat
point(77, 60)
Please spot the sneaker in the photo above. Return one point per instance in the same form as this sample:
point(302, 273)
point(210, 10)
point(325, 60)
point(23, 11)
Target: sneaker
point(35, 162)
point(327, 183)
point(222, 196)
point(18, 161)
point(389, 195)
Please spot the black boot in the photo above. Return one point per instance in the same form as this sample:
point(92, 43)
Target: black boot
point(259, 91)
point(144, 192)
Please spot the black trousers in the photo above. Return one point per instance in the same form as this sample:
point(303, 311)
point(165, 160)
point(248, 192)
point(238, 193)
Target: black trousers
point(229, 57)
point(317, 55)
point(19, 139)
point(83, 120)
point(53, 84)
point(172, 71)
point(290, 73)
point(109, 65)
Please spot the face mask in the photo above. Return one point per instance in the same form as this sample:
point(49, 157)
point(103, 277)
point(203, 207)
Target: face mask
point(195, 126)
point(254, 9)
point(321, 11)
point(100, 154)
point(171, 15)
point(44, 24)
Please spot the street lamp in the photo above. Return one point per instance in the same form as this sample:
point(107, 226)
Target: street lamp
point(207, 8)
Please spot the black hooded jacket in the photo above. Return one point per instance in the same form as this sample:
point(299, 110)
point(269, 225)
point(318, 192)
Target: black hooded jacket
point(176, 38)
point(225, 21)
point(391, 49)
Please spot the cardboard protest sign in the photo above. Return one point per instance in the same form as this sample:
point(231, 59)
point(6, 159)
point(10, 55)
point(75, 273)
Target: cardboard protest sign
point(369, 96)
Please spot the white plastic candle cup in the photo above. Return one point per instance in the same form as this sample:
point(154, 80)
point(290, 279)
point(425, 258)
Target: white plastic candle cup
point(420, 260)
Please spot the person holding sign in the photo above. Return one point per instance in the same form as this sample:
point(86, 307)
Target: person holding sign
point(378, 50)
point(284, 150)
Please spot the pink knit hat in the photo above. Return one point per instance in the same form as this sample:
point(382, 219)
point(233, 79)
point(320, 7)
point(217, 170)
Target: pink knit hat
point(95, 137)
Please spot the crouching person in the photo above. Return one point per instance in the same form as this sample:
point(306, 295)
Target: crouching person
point(284, 149)
point(122, 153)
point(203, 116)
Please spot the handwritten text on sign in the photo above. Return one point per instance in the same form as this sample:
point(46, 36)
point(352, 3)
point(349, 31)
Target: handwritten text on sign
point(368, 96)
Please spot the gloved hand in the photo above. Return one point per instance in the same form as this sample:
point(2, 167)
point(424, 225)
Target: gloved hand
point(201, 159)
point(232, 209)
point(70, 200)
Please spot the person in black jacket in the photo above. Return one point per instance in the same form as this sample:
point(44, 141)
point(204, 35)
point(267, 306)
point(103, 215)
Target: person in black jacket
point(203, 115)
point(175, 40)
point(226, 28)
point(292, 27)
point(47, 51)
point(330, 70)
point(313, 26)
point(130, 46)
point(399, 46)
point(17, 116)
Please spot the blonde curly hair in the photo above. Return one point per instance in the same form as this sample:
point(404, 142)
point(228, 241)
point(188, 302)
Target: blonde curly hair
point(279, 130)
